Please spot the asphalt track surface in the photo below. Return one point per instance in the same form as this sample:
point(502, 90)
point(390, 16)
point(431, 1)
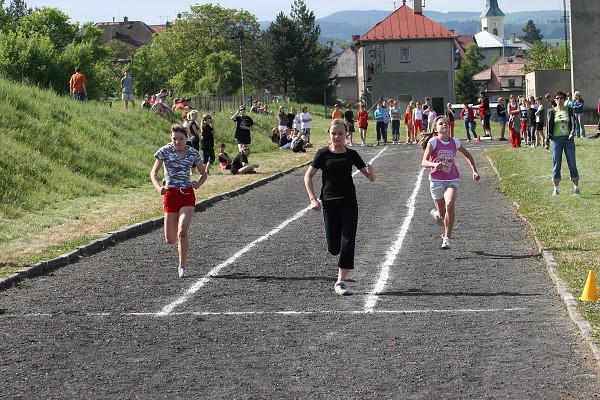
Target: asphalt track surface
point(258, 318)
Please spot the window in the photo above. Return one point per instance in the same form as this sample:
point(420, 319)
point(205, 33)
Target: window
point(511, 83)
point(405, 54)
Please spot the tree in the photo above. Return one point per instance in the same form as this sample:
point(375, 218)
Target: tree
point(542, 56)
point(296, 64)
point(532, 33)
point(178, 57)
point(50, 22)
point(18, 9)
point(466, 87)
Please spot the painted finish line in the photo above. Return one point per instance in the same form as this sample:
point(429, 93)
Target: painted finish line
point(292, 313)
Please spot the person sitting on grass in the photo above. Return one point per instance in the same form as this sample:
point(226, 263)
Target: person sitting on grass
point(240, 164)
point(224, 159)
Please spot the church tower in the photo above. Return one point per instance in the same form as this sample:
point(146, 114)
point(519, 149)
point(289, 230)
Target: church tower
point(492, 19)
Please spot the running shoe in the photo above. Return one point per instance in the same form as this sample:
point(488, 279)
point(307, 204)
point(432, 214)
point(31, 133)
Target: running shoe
point(446, 244)
point(183, 272)
point(576, 192)
point(340, 289)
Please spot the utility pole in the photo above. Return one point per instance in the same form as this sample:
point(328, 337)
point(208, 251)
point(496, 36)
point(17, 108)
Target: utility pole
point(241, 36)
point(567, 63)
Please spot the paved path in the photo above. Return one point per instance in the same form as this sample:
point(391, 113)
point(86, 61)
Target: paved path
point(258, 319)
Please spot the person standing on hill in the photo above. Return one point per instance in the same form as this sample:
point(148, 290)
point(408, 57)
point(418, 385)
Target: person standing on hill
point(243, 128)
point(207, 141)
point(177, 189)
point(440, 154)
point(127, 86)
point(338, 197)
point(77, 85)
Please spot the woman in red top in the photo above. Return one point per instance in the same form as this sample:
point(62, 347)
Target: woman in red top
point(362, 117)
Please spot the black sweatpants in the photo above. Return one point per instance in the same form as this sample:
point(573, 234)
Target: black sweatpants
point(340, 218)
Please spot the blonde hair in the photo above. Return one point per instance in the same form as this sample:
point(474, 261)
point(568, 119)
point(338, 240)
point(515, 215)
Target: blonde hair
point(338, 121)
point(193, 114)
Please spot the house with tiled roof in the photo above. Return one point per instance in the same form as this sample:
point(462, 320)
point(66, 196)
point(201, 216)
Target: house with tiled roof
point(505, 77)
point(407, 56)
point(134, 34)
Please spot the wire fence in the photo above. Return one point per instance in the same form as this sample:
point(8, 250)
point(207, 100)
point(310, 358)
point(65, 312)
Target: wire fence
point(220, 103)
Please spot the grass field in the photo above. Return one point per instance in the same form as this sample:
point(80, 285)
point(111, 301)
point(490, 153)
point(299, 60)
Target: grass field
point(72, 172)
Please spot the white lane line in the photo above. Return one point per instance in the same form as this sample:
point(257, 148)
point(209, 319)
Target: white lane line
point(204, 280)
point(393, 251)
point(291, 313)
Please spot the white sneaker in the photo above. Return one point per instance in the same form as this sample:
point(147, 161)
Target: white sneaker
point(340, 289)
point(446, 244)
point(183, 272)
point(576, 191)
point(555, 192)
point(434, 214)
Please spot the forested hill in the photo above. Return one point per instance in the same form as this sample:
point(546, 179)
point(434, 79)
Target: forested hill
point(340, 26)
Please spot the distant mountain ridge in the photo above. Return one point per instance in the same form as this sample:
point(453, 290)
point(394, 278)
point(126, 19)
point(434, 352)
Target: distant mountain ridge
point(341, 25)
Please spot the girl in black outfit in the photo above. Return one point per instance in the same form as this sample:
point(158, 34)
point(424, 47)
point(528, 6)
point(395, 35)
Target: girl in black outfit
point(207, 141)
point(338, 197)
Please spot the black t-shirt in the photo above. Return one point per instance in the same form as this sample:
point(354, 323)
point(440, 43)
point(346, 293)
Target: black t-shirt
point(237, 162)
point(450, 115)
point(243, 135)
point(501, 110)
point(208, 137)
point(290, 122)
point(337, 172)
point(349, 116)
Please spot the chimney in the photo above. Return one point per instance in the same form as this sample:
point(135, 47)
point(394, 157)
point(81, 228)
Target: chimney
point(513, 37)
point(418, 6)
point(125, 19)
point(355, 37)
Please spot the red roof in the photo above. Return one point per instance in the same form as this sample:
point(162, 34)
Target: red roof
point(404, 23)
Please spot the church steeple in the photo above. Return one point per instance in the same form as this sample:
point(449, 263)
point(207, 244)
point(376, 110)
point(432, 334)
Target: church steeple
point(492, 18)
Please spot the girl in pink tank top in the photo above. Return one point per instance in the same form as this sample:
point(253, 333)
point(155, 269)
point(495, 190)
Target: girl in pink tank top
point(440, 153)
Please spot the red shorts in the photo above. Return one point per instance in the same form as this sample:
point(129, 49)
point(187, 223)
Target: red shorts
point(177, 198)
point(523, 126)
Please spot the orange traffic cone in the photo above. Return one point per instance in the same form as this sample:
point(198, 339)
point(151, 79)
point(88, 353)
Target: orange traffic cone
point(590, 293)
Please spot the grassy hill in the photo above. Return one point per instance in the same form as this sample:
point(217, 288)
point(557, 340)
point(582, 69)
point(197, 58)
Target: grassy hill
point(72, 172)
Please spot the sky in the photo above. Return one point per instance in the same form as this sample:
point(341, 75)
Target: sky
point(157, 12)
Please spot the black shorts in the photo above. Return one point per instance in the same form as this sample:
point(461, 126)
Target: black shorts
point(539, 126)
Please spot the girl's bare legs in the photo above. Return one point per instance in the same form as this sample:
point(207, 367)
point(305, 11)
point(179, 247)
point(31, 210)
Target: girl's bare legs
point(176, 227)
point(446, 209)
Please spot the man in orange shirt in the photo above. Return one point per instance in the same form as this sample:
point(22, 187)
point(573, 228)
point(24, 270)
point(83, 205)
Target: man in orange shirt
point(77, 85)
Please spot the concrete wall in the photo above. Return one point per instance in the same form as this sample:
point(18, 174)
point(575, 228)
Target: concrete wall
point(585, 54)
point(347, 89)
point(540, 82)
